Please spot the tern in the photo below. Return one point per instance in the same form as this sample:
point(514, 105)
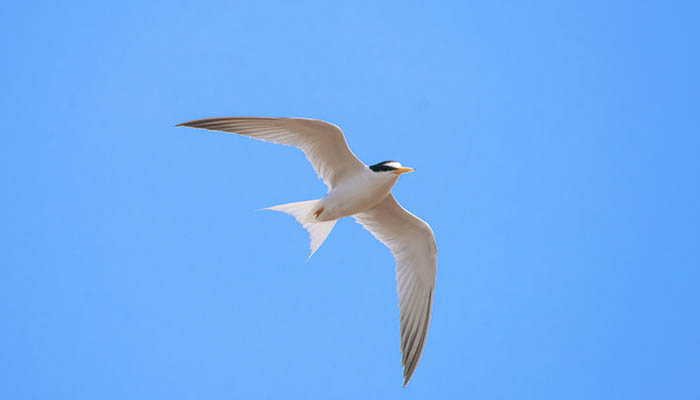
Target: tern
point(363, 192)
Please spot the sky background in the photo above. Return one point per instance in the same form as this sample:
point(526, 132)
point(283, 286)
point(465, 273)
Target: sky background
point(556, 148)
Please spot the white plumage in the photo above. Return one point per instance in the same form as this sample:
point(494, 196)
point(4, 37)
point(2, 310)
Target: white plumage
point(363, 192)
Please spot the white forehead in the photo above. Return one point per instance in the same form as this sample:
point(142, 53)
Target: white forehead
point(393, 164)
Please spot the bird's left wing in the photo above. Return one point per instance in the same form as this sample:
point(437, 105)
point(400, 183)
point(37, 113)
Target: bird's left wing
point(412, 243)
point(323, 143)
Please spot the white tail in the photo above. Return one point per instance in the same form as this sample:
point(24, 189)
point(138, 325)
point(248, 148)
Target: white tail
point(303, 212)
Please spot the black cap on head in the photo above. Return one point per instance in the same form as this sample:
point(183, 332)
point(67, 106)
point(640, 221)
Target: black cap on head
point(385, 166)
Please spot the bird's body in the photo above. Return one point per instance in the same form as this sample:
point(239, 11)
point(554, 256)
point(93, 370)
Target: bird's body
point(345, 200)
point(363, 192)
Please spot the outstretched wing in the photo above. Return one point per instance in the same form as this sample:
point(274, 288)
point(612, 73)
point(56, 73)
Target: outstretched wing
point(323, 143)
point(412, 242)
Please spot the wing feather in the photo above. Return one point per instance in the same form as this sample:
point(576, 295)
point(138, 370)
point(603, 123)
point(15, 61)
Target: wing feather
point(412, 243)
point(323, 143)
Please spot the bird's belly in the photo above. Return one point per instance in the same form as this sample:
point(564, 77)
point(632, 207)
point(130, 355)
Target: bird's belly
point(344, 203)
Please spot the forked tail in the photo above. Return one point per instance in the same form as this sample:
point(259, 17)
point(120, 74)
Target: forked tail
point(303, 212)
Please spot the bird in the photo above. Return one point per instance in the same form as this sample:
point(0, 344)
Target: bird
point(364, 193)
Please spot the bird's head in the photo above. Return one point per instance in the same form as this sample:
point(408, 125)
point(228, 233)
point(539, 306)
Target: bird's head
point(392, 167)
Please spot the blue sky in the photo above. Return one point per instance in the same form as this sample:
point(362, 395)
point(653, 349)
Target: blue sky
point(556, 148)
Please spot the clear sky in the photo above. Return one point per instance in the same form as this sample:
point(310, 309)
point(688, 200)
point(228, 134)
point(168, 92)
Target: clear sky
point(556, 148)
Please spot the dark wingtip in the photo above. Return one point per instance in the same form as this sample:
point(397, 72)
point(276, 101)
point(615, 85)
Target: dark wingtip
point(193, 123)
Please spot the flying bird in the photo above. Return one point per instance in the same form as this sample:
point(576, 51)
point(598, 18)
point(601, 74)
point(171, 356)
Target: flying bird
point(363, 192)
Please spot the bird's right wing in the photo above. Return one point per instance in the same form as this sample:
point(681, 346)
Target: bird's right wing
point(323, 143)
point(412, 242)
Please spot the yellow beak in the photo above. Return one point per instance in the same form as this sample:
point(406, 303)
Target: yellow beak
point(402, 170)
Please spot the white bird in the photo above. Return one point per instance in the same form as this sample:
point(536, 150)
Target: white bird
point(364, 193)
